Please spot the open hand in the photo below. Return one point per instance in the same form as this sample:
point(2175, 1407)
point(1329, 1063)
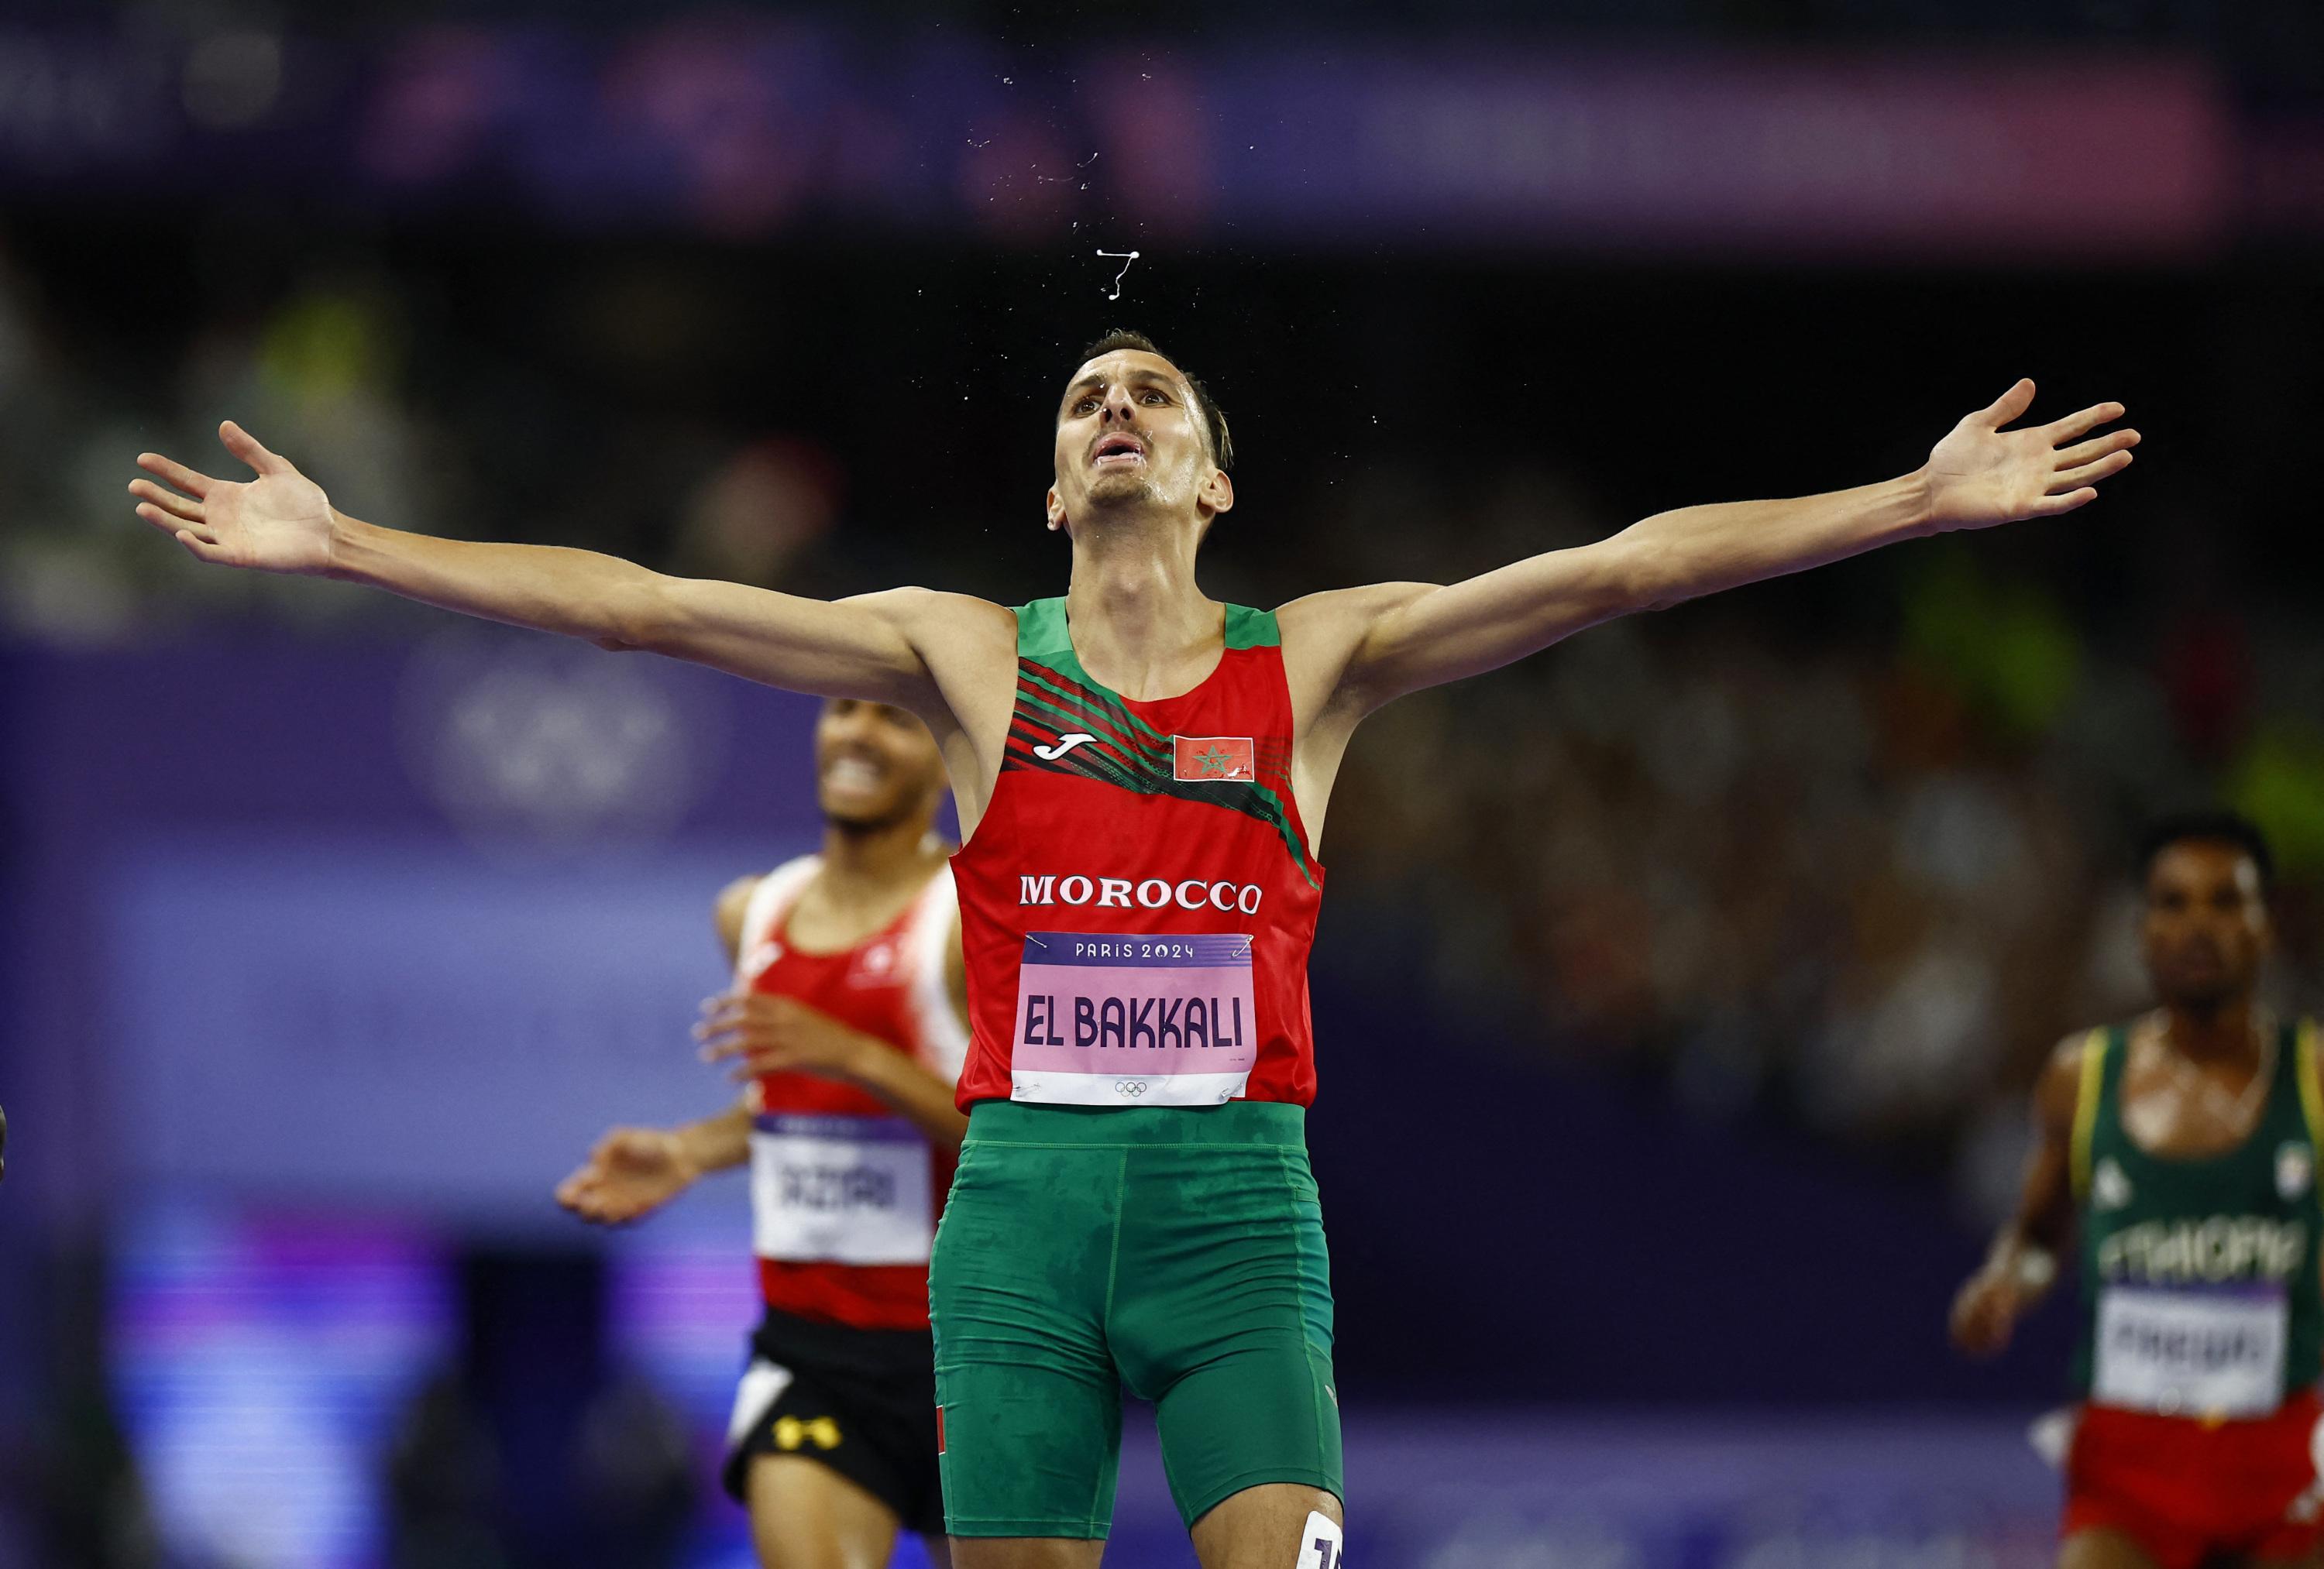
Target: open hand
point(280, 521)
point(763, 1033)
point(633, 1171)
point(1986, 1313)
point(1981, 474)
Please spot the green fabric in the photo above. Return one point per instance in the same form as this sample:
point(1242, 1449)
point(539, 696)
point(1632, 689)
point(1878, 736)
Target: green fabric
point(1250, 628)
point(1043, 634)
point(2178, 1200)
point(1175, 1251)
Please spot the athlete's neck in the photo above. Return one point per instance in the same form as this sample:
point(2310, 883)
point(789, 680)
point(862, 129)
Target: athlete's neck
point(2222, 1035)
point(869, 860)
point(1139, 624)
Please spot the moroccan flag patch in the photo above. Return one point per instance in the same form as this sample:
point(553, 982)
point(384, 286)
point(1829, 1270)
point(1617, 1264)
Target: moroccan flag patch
point(1213, 759)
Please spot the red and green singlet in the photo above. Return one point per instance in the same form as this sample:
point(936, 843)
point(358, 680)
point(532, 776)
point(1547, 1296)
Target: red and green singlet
point(1138, 904)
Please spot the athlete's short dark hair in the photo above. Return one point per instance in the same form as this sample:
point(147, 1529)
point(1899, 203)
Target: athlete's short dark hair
point(1215, 418)
point(2227, 828)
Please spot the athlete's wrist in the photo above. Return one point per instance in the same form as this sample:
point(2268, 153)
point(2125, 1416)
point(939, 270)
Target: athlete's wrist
point(1911, 504)
point(345, 542)
point(2033, 1269)
point(686, 1162)
point(864, 1061)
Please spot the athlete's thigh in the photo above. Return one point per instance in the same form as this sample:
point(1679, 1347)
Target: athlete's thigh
point(1261, 1412)
point(1026, 1552)
point(2103, 1548)
point(1029, 1402)
point(1224, 1320)
point(1267, 1527)
point(804, 1514)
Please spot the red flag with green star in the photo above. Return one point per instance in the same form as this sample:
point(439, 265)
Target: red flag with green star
point(1213, 759)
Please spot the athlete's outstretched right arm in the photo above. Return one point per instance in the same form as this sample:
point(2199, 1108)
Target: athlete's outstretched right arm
point(2023, 1263)
point(282, 521)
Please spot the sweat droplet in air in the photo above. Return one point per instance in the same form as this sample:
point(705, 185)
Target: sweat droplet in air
point(1125, 258)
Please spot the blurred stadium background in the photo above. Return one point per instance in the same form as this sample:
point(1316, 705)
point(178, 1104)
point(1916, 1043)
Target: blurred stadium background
point(334, 929)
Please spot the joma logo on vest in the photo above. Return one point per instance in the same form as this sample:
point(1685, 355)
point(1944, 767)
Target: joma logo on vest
point(1152, 894)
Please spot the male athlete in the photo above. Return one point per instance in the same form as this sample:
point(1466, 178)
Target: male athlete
point(1142, 774)
point(849, 1015)
point(2181, 1148)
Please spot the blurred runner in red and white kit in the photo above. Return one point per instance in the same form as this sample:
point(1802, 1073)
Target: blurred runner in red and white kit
point(846, 1017)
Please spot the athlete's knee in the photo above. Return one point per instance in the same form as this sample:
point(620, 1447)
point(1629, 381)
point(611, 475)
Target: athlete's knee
point(1276, 1524)
point(2103, 1548)
point(1026, 1552)
point(1323, 1539)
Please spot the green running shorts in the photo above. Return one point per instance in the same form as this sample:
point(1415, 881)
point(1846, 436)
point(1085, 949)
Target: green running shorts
point(1175, 1251)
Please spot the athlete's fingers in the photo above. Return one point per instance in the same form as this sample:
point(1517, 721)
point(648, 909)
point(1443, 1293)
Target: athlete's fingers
point(2009, 405)
point(724, 1044)
point(2082, 421)
point(246, 447)
point(193, 481)
point(722, 1014)
point(170, 522)
point(170, 501)
point(2090, 473)
point(2095, 448)
point(204, 548)
point(2059, 506)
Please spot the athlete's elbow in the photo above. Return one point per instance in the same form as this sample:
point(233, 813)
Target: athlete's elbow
point(1635, 576)
point(641, 619)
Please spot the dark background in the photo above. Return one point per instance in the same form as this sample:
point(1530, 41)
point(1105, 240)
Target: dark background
point(1679, 989)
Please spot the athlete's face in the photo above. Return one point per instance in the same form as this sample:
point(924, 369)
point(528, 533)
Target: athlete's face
point(2205, 931)
point(873, 765)
point(1131, 437)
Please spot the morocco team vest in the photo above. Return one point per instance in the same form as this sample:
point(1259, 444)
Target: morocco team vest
point(1138, 903)
point(2200, 1295)
point(844, 1192)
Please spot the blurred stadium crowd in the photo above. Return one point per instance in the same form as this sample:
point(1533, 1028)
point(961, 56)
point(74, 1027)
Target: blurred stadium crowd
point(1852, 866)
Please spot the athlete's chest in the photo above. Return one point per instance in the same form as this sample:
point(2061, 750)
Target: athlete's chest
point(841, 962)
point(2175, 1113)
point(1225, 716)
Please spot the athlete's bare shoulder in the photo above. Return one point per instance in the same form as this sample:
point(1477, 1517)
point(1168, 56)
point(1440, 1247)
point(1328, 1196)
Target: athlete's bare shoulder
point(965, 642)
point(731, 909)
point(2058, 1092)
point(1322, 633)
point(937, 610)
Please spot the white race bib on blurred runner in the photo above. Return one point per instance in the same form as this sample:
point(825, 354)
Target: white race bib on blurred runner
point(2216, 1352)
point(839, 1190)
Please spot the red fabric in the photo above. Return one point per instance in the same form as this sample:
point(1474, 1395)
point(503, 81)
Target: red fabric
point(868, 988)
point(1041, 824)
point(2185, 1490)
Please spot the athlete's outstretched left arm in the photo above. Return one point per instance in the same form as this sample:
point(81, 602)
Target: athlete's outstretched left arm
point(1399, 638)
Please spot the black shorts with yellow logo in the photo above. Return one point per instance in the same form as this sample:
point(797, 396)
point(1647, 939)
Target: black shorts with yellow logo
point(861, 1402)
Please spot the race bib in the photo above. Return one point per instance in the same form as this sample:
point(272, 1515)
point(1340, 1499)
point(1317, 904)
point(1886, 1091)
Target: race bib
point(841, 1190)
point(1105, 1019)
point(2191, 1353)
